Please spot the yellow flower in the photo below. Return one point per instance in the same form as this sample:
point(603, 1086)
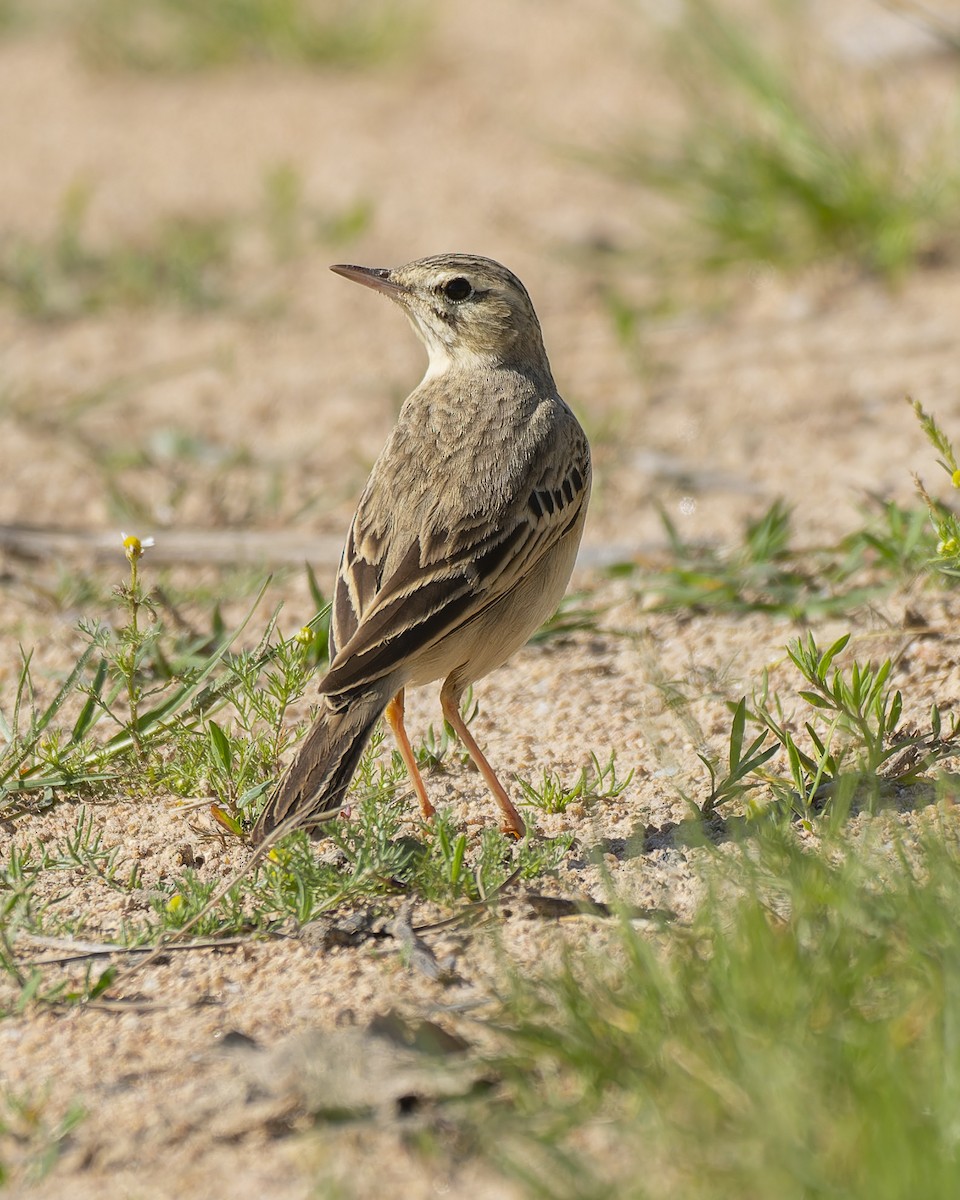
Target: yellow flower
point(133, 547)
point(948, 547)
point(304, 635)
point(175, 903)
point(955, 478)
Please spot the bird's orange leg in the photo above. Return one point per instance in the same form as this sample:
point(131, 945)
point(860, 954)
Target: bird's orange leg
point(450, 703)
point(394, 715)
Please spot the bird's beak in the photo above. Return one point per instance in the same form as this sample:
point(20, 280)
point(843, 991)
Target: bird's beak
point(378, 278)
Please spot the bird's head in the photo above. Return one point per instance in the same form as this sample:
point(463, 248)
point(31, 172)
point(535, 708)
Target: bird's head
point(467, 310)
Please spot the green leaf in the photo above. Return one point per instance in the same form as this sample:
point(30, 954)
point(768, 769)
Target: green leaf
point(736, 732)
point(856, 685)
point(456, 865)
point(92, 709)
point(252, 794)
point(104, 980)
point(830, 654)
point(220, 746)
point(315, 592)
point(68, 686)
point(815, 738)
point(793, 754)
point(756, 757)
point(711, 770)
point(896, 708)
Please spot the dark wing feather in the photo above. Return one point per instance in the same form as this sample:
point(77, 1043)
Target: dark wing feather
point(358, 581)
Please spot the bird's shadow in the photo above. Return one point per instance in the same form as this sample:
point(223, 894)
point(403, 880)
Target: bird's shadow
point(717, 829)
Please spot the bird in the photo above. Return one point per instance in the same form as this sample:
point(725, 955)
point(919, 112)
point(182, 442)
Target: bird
point(464, 537)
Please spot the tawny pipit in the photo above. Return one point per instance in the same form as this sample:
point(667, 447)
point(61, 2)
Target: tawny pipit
point(464, 537)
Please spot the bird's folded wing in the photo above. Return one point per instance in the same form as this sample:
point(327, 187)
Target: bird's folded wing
point(437, 588)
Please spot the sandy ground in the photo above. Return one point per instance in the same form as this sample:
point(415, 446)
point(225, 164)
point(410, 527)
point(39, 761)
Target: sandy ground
point(794, 388)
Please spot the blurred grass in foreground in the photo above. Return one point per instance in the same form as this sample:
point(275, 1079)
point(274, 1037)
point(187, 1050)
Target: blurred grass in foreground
point(798, 1039)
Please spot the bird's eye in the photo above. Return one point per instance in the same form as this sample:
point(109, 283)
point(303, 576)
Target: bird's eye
point(457, 289)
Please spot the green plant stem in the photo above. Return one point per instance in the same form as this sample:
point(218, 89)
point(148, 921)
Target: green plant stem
point(130, 672)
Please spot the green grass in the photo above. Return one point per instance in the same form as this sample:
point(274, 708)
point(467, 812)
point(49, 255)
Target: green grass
point(845, 748)
point(371, 856)
point(767, 573)
point(945, 522)
point(9, 15)
point(142, 685)
point(152, 709)
point(839, 743)
point(599, 781)
point(31, 1139)
point(190, 262)
point(183, 261)
point(797, 1038)
point(778, 164)
point(177, 36)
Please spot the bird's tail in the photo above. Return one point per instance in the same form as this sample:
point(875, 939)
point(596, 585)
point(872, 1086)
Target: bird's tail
point(318, 777)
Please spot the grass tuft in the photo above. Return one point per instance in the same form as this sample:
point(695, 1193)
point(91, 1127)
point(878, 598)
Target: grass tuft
point(31, 1138)
point(776, 165)
point(795, 1039)
point(766, 573)
point(599, 781)
point(946, 523)
point(177, 36)
point(199, 264)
